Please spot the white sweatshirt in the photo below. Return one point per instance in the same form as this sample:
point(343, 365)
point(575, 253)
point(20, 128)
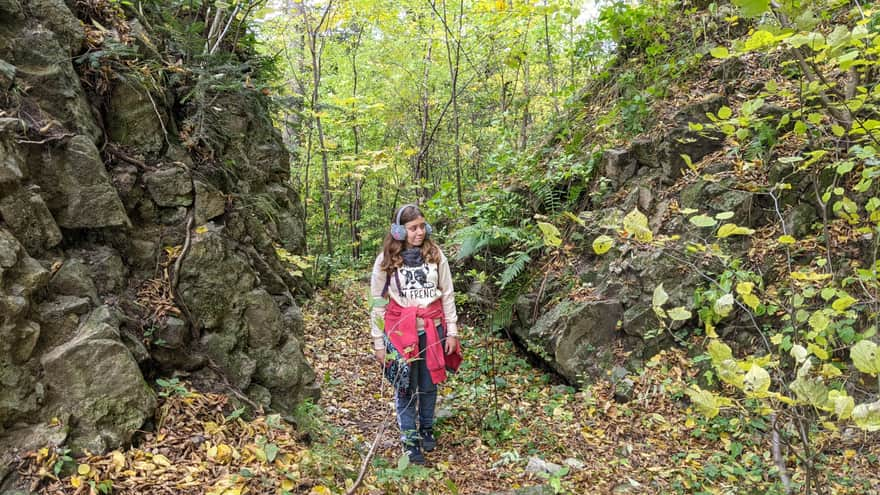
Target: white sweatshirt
point(421, 285)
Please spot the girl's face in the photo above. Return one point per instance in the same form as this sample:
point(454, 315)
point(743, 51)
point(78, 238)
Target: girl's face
point(415, 231)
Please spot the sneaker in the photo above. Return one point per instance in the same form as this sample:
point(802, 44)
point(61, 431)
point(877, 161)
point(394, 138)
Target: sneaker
point(414, 453)
point(428, 441)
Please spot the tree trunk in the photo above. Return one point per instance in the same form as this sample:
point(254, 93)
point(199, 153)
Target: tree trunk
point(316, 50)
point(526, 116)
point(551, 72)
point(420, 158)
point(354, 210)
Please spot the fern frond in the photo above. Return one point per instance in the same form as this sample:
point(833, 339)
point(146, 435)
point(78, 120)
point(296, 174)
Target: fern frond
point(514, 268)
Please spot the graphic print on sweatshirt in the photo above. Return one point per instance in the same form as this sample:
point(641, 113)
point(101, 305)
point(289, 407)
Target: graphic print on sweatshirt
point(419, 282)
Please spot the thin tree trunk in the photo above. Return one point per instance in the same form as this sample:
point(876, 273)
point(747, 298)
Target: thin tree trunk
point(551, 72)
point(354, 215)
point(316, 50)
point(526, 116)
point(419, 161)
point(453, 57)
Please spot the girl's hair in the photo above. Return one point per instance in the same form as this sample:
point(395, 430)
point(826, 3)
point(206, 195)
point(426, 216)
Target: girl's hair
point(391, 247)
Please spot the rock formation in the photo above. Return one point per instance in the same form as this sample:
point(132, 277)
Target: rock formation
point(126, 253)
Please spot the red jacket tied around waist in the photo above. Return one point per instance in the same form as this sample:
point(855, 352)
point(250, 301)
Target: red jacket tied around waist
point(402, 329)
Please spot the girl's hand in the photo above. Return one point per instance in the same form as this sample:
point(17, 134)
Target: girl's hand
point(451, 344)
point(380, 356)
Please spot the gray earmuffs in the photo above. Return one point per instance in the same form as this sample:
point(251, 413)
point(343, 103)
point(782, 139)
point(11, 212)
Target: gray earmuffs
point(398, 231)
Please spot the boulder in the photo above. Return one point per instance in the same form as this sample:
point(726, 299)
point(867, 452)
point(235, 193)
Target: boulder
point(212, 278)
point(618, 165)
point(44, 65)
point(244, 330)
point(18, 341)
point(170, 186)
point(210, 202)
point(683, 141)
point(12, 160)
point(576, 338)
point(105, 267)
point(7, 75)
point(20, 275)
point(712, 197)
point(55, 15)
point(95, 379)
point(77, 188)
point(290, 224)
point(11, 10)
point(29, 219)
point(697, 112)
point(132, 117)
point(74, 279)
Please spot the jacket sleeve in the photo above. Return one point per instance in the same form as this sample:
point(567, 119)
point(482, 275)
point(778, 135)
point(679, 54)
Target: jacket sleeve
point(377, 304)
point(444, 279)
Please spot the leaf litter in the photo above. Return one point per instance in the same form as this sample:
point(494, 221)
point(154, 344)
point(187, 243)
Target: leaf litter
point(495, 415)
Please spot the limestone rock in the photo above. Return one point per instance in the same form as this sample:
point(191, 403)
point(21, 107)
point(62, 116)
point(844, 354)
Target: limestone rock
point(538, 465)
point(7, 75)
point(11, 158)
point(105, 267)
point(57, 16)
point(20, 275)
point(618, 165)
point(290, 224)
point(44, 65)
point(170, 186)
point(683, 141)
point(62, 306)
point(96, 380)
point(73, 279)
point(212, 277)
point(19, 341)
point(132, 119)
point(11, 10)
point(712, 197)
point(577, 337)
point(77, 188)
point(30, 220)
point(696, 112)
point(529, 490)
point(142, 253)
point(210, 202)
point(263, 320)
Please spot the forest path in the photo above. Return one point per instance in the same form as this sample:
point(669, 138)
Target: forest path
point(495, 416)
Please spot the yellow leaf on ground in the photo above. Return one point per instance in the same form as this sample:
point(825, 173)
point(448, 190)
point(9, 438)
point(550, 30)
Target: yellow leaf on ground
point(83, 469)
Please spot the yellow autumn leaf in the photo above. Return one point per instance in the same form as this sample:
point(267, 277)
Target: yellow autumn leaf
point(751, 300)
point(287, 485)
point(83, 469)
point(117, 459)
point(161, 460)
point(201, 229)
point(76, 481)
point(602, 244)
point(635, 223)
point(320, 490)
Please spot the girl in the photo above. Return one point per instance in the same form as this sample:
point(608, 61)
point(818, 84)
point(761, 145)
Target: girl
point(415, 336)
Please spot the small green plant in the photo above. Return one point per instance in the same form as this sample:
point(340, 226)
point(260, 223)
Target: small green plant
point(64, 462)
point(171, 386)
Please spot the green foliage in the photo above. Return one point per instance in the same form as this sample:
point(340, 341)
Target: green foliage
point(171, 386)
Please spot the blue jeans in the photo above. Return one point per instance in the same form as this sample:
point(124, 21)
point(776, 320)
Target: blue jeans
point(417, 401)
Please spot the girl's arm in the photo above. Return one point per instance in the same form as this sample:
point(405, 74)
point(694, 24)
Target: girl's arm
point(377, 304)
point(444, 280)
